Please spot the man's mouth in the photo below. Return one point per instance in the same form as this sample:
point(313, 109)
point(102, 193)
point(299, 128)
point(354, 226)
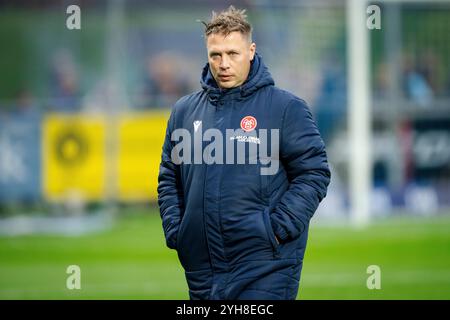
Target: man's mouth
point(225, 76)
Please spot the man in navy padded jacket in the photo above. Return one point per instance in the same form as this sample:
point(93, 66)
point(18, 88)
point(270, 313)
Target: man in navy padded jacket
point(243, 170)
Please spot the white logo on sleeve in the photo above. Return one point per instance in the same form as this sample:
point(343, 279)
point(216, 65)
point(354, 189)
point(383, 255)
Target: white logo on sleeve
point(197, 124)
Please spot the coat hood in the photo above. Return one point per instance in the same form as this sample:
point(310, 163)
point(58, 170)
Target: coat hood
point(258, 77)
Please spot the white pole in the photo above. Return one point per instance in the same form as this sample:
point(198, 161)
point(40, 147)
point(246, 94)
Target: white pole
point(358, 113)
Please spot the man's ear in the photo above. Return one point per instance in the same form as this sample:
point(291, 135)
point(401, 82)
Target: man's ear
point(252, 51)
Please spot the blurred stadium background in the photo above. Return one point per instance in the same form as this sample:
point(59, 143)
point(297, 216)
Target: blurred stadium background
point(83, 115)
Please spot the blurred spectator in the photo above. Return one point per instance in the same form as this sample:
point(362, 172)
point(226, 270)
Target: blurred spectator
point(382, 82)
point(332, 100)
point(429, 66)
point(65, 94)
point(164, 82)
point(25, 103)
point(415, 83)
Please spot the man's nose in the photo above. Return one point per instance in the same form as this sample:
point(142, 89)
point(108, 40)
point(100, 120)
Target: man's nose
point(224, 62)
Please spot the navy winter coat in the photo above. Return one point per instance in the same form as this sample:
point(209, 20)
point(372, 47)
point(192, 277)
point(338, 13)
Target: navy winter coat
point(224, 219)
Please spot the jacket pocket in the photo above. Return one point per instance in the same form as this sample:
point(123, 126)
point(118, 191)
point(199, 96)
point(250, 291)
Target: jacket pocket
point(179, 232)
point(177, 239)
point(270, 233)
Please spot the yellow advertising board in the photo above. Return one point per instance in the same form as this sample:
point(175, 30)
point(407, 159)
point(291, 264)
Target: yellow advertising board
point(73, 157)
point(141, 136)
point(94, 157)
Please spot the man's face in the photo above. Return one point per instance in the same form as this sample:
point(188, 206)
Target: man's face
point(229, 58)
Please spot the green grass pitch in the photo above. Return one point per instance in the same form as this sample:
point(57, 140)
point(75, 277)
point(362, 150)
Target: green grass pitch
point(130, 261)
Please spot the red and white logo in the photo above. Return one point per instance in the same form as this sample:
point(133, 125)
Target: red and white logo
point(248, 123)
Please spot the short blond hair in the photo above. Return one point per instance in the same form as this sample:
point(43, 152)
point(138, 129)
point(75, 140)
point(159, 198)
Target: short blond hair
point(228, 21)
